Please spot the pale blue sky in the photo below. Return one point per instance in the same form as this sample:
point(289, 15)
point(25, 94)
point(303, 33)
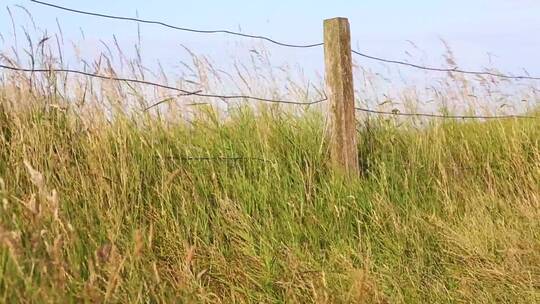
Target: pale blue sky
point(506, 29)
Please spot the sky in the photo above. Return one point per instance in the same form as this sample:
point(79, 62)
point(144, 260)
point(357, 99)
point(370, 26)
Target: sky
point(481, 33)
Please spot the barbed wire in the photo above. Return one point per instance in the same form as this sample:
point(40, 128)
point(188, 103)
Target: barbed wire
point(454, 70)
point(208, 95)
point(451, 70)
point(216, 158)
point(398, 113)
point(245, 97)
point(198, 93)
point(184, 92)
point(95, 75)
point(185, 29)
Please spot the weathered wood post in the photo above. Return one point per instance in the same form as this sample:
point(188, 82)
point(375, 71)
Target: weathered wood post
point(340, 91)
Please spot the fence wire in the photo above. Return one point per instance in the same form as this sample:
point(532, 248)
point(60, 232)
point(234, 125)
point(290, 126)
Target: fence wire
point(216, 159)
point(183, 92)
point(200, 94)
point(398, 113)
point(367, 56)
point(227, 97)
point(185, 29)
point(95, 75)
point(452, 70)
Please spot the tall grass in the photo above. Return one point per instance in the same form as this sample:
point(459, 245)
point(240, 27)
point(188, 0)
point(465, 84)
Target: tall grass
point(113, 210)
point(101, 202)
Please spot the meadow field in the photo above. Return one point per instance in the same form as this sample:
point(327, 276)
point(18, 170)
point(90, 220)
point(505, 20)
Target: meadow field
point(103, 201)
point(101, 207)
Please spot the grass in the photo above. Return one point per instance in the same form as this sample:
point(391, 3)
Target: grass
point(101, 208)
point(194, 202)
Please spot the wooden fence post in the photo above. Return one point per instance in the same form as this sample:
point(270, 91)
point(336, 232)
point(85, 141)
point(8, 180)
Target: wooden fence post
point(340, 91)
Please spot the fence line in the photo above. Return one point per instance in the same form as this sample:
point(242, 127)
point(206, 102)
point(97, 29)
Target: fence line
point(249, 97)
point(185, 29)
point(208, 95)
point(200, 94)
point(453, 70)
point(397, 113)
point(338, 53)
point(216, 158)
point(184, 92)
point(93, 75)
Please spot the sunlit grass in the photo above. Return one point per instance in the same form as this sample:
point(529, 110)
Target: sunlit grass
point(114, 211)
point(213, 201)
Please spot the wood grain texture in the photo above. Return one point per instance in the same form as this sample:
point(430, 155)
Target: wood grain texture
point(340, 88)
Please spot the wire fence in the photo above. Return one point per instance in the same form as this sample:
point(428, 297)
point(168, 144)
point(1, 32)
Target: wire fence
point(265, 38)
point(226, 97)
point(398, 113)
point(453, 70)
point(185, 29)
point(183, 92)
point(216, 159)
